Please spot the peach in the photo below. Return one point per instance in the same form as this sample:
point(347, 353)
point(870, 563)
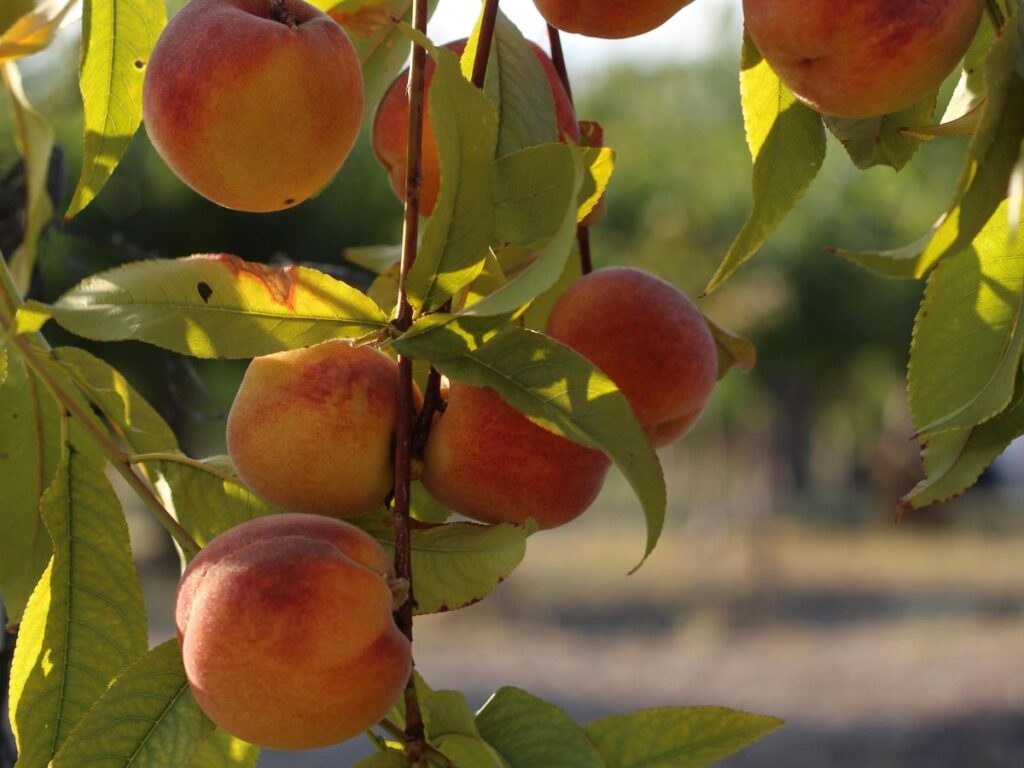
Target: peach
point(286, 631)
point(608, 18)
point(648, 338)
point(311, 429)
point(862, 59)
point(255, 104)
point(391, 128)
point(487, 461)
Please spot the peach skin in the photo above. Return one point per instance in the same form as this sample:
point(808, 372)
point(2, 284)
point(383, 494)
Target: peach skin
point(255, 104)
point(487, 461)
point(286, 632)
point(608, 18)
point(648, 338)
point(311, 429)
point(862, 59)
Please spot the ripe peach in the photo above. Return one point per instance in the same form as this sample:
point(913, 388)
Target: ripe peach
point(608, 18)
point(254, 104)
point(648, 338)
point(391, 128)
point(311, 429)
point(487, 461)
point(286, 631)
point(866, 58)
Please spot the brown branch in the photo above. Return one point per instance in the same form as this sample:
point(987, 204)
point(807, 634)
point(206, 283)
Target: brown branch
point(558, 59)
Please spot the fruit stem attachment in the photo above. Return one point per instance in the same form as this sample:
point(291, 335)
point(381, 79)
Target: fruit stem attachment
point(995, 13)
point(558, 59)
point(281, 13)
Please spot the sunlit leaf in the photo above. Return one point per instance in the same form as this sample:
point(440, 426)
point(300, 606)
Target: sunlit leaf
point(676, 737)
point(33, 31)
point(146, 717)
point(969, 333)
point(883, 140)
point(787, 142)
point(222, 750)
point(117, 41)
point(217, 306)
point(85, 621)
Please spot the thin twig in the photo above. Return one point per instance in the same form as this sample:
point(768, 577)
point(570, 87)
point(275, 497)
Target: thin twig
point(392, 729)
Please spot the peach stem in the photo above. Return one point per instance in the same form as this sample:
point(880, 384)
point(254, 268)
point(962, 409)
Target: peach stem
point(279, 12)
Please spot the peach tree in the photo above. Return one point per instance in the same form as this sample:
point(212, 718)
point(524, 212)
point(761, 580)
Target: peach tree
point(477, 320)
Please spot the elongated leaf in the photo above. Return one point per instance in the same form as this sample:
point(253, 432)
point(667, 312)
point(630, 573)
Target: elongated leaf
point(456, 564)
point(85, 621)
point(905, 263)
point(452, 729)
point(33, 31)
point(954, 460)
point(991, 156)
point(117, 42)
point(517, 86)
point(30, 449)
point(138, 424)
point(970, 90)
point(204, 496)
point(787, 143)
point(145, 718)
point(883, 140)
point(969, 333)
point(676, 737)
point(380, 45)
point(557, 389)
point(222, 750)
point(531, 733)
point(33, 136)
point(217, 306)
point(458, 234)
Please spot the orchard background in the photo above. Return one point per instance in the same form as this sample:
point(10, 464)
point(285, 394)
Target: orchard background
point(780, 585)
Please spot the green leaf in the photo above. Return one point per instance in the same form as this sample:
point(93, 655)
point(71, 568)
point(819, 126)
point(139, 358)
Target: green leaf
point(991, 156)
point(380, 45)
point(30, 449)
point(118, 37)
point(141, 428)
point(904, 263)
point(390, 759)
point(373, 258)
point(85, 621)
point(733, 351)
point(33, 136)
point(970, 90)
point(883, 140)
point(217, 306)
point(969, 333)
point(3, 365)
point(458, 233)
point(676, 737)
point(532, 189)
point(426, 508)
point(204, 496)
point(452, 729)
point(528, 732)
point(954, 460)
point(146, 717)
point(456, 564)
point(787, 143)
point(517, 86)
point(34, 30)
point(222, 750)
point(559, 390)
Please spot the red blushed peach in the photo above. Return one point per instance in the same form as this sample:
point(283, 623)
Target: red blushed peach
point(254, 104)
point(608, 18)
point(648, 338)
point(487, 461)
point(311, 429)
point(286, 632)
point(391, 128)
point(866, 58)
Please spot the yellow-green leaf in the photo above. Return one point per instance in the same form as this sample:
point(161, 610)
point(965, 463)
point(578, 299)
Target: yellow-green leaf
point(734, 351)
point(117, 41)
point(222, 750)
point(85, 621)
point(33, 136)
point(146, 719)
point(217, 306)
point(676, 737)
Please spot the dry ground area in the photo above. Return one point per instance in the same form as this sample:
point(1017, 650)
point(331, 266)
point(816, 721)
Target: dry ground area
point(891, 648)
